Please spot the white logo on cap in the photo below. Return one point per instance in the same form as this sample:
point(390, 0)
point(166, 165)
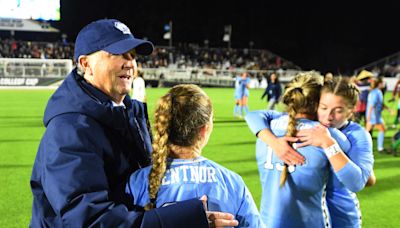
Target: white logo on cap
point(122, 27)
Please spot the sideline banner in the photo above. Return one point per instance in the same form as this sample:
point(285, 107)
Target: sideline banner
point(31, 81)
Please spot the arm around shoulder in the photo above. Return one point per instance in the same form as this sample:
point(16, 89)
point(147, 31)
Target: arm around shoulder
point(259, 120)
point(190, 213)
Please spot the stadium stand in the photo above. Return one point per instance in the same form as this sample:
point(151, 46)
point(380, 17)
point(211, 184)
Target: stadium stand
point(10, 48)
point(388, 66)
point(183, 56)
point(185, 63)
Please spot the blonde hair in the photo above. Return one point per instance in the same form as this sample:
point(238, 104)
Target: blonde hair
point(343, 87)
point(375, 83)
point(179, 115)
point(301, 96)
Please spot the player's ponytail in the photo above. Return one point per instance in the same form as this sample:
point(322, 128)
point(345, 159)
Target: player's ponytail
point(178, 118)
point(296, 94)
point(162, 119)
point(301, 97)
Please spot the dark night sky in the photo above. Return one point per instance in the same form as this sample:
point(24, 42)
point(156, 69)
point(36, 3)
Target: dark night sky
point(324, 36)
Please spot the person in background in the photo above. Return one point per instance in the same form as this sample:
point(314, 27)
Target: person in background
point(183, 125)
point(237, 96)
point(95, 137)
point(273, 91)
point(383, 87)
point(244, 93)
point(363, 83)
point(242, 84)
point(336, 105)
point(373, 115)
point(139, 92)
point(395, 143)
point(139, 86)
point(395, 96)
point(292, 195)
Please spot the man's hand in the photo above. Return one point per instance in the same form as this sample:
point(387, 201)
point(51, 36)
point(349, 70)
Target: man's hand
point(218, 219)
point(221, 219)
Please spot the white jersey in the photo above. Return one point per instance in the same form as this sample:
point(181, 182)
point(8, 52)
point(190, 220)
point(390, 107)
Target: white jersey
point(139, 89)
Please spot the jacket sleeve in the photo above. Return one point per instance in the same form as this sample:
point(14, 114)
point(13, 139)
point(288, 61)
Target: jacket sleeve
point(265, 93)
point(74, 180)
point(189, 213)
point(76, 186)
point(259, 120)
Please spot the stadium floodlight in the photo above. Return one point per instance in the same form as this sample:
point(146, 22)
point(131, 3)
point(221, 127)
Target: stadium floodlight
point(29, 15)
point(30, 9)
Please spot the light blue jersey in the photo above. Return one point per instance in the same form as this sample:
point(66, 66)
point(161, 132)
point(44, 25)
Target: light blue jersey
point(341, 199)
point(342, 202)
point(375, 100)
point(245, 83)
point(193, 178)
point(241, 89)
point(299, 203)
point(238, 88)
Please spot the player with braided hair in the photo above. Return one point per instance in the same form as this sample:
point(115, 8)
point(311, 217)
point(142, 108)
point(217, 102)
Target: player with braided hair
point(183, 125)
point(292, 195)
point(353, 170)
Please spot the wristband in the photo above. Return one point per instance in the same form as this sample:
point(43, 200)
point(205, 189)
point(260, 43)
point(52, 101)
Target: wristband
point(332, 150)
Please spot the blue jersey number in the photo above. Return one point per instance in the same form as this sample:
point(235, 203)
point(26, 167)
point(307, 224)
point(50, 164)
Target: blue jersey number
point(278, 165)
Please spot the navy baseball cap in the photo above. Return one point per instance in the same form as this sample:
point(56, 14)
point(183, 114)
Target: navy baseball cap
point(109, 35)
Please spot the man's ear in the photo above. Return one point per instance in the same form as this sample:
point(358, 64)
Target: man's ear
point(84, 62)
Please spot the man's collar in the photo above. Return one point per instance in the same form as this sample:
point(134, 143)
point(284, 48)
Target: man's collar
point(118, 105)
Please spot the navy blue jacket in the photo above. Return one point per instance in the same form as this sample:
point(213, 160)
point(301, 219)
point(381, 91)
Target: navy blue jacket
point(84, 160)
point(273, 90)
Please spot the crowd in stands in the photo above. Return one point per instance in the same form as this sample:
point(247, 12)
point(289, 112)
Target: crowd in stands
point(391, 69)
point(386, 70)
point(386, 67)
point(182, 56)
point(191, 55)
point(10, 48)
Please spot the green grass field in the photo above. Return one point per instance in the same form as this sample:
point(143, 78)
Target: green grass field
point(231, 144)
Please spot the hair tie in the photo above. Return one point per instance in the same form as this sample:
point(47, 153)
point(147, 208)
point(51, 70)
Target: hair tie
point(298, 89)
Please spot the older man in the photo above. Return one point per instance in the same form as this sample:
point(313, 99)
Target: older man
point(95, 137)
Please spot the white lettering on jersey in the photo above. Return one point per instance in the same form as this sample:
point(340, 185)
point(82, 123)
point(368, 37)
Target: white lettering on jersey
point(182, 173)
point(184, 170)
point(279, 166)
point(194, 170)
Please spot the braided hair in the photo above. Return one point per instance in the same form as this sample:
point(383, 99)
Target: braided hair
point(301, 97)
point(178, 117)
point(343, 87)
